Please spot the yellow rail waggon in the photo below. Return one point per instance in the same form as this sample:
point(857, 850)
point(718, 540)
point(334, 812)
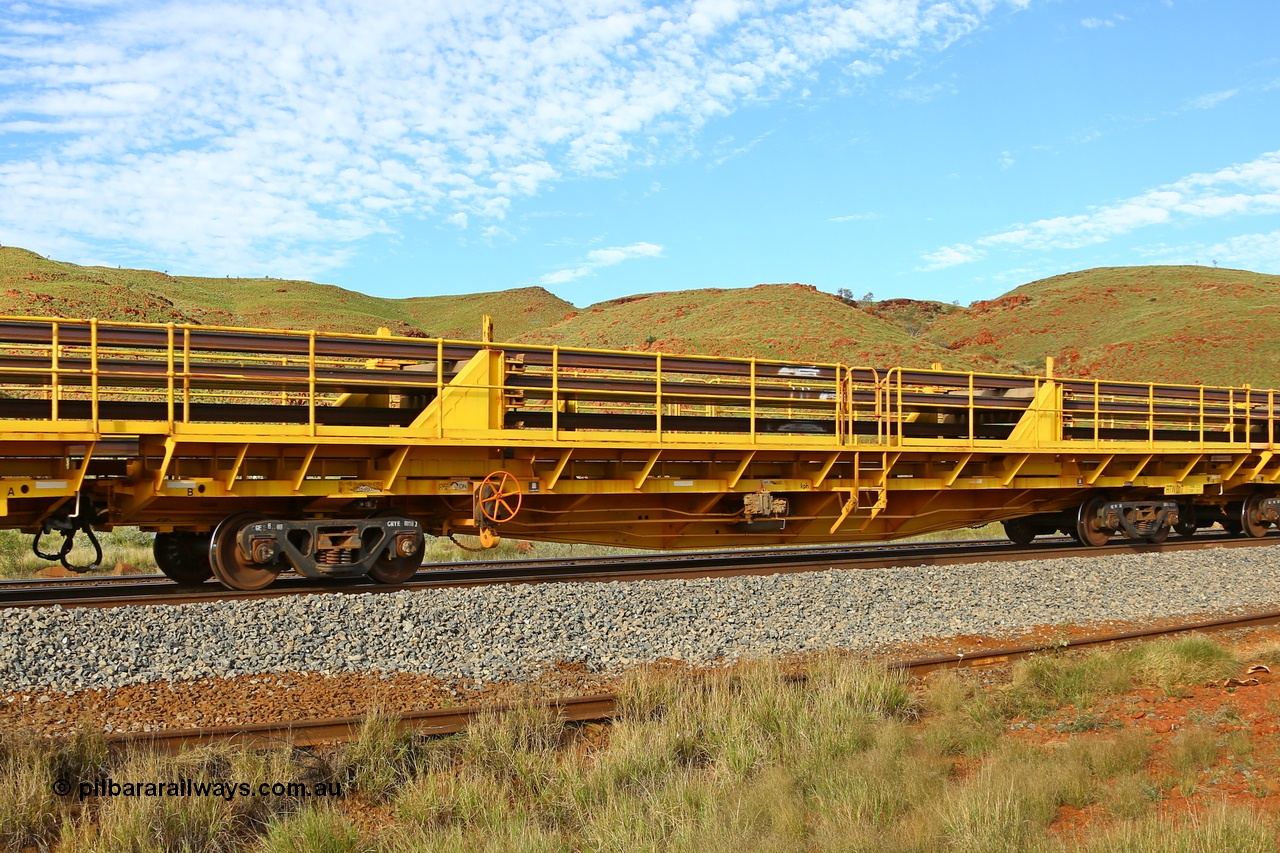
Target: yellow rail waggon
point(251, 451)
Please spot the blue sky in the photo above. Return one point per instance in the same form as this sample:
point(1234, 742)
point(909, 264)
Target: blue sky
point(910, 148)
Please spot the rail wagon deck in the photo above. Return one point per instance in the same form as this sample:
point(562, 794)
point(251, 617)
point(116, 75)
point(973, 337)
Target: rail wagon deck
point(254, 451)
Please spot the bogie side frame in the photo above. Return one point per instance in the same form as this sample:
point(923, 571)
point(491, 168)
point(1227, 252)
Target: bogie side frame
point(175, 428)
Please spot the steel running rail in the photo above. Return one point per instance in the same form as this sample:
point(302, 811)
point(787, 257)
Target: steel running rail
point(89, 593)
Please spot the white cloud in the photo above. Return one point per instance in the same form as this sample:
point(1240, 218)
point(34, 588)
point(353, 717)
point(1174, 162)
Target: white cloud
point(1211, 100)
point(1101, 23)
point(862, 68)
point(600, 258)
point(1251, 188)
point(855, 217)
point(950, 256)
point(233, 134)
point(1260, 252)
point(1006, 160)
point(459, 219)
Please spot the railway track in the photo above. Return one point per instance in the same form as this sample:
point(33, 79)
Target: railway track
point(156, 589)
point(603, 707)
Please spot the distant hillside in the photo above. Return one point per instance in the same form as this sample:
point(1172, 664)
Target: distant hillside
point(781, 321)
point(1172, 324)
point(32, 285)
point(1178, 324)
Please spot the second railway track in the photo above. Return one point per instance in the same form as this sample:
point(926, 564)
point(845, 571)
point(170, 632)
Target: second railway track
point(117, 592)
point(604, 707)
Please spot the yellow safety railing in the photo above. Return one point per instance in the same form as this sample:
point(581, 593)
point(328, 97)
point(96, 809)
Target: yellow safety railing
point(80, 368)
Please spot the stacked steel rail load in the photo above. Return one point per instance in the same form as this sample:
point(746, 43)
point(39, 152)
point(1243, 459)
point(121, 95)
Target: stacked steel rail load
point(252, 452)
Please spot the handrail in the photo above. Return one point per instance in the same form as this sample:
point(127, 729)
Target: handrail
point(175, 366)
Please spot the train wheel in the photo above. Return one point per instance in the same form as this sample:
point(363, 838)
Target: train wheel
point(1088, 530)
point(1251, 525)
point(181, 559)
point(1234, 512)
point(1158, 536)
point(395, 568)
point(229, 565)
point(1019, 531)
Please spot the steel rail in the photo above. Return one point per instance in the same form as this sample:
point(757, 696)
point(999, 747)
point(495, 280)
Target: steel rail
point(603, 707)
point(82, 593)
point(38, 331)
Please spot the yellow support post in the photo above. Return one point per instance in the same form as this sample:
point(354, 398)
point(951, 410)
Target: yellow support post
point(657, 397)
point(439, 385)
point(186, 374)
point(555, 395)
point(55, 378)
point(311, 382)
point(168, 376)
point(93, 372)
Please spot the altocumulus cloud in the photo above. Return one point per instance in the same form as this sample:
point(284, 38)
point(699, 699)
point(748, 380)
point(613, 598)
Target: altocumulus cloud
point(228, 135)
point(1251, 188)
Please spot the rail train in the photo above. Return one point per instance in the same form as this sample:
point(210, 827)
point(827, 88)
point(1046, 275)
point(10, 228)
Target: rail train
point(251, 452)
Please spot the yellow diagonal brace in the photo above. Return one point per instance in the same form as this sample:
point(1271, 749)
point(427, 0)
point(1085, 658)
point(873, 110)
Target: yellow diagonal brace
point(397, 462)
point(1182, 475)
point(732, 482)
point(1014, 469)
point(169, 445)
point(235, 469)
point(76, 481)
point(561, 464)
point(1097, 472)
point(648, 467)
point(825, 470)
point(890, 459)
point(1265, 458)
point(1138, 469)
point(306, 466)
point(849, 506)
point(1227, 477)
point(955, 472)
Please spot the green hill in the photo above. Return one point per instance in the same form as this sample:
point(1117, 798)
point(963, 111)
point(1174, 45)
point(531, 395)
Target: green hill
point(33, 285)
point(1175, 324)
point(780, 321)
point(1171, 324)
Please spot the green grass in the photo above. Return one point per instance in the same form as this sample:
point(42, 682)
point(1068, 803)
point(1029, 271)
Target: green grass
point(1223, 829)
point(853, 758)
point(121, 545)
point(1046, 682)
